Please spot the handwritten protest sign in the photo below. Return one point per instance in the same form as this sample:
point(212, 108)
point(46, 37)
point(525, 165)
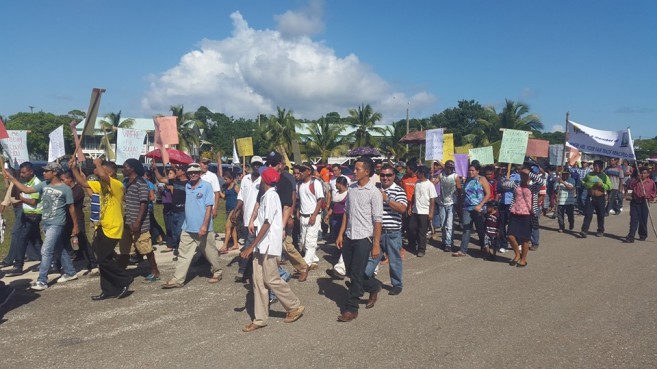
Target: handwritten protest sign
point(537, 148)
point(434, 144)
point(482, 154)
point(556, 154)
point(245, 146)
point(129, 144)
point(166, 130)
point(92, 112)
point(514, 146)
point(15, 147)
point(448, 146)
point(56, 147)
point(461, 163)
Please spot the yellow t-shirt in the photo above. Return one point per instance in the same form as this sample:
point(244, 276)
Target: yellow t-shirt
point(111, 207)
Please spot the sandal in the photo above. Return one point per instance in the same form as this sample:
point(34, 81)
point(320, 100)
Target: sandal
point(252, 327)
point(172, 283)
point(151, 278)
point(223, 251)
point(518, 265)
point(168, 249)
point(215, 279)
point(514, 262)
point(234, 248)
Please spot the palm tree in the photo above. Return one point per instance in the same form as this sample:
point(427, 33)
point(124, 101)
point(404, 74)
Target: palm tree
point(109, 125)
point(363, 120)
point(190, 129)
point(514, 115)
point(323, 139)
point(280, 129)
point(390, 143)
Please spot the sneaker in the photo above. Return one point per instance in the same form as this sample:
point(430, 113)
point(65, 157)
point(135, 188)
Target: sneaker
point(14, 272)
point(582, 234)
point(502, 250)
point(65, 278)
point(273, 300)
point(599, 234)
point(294, 315)
point(39, 286)
point(420, 254)
point(619, 211)
point(612, 212)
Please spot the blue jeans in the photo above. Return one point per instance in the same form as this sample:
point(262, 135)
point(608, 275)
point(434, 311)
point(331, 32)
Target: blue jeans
point(29, 240)
point(53, 247)
point(437, 220)
point(470, 218)
point(245, 267)
point(174, 222)
point(391, 244)
point(285, 275)
point(446, 213)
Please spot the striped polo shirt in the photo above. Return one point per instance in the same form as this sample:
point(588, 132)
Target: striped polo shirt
point(135, 194)
point(392, 220)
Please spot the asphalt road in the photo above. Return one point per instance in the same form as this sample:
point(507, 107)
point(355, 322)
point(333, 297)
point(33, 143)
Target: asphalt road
point(580, 303)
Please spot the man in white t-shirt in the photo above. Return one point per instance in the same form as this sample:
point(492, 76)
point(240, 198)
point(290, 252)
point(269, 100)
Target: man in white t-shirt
point(422, 210)
point(246, 201)
point(311, 195)
point(268, 246)
point(337, 172)
point(213, 180)
point(450, 183)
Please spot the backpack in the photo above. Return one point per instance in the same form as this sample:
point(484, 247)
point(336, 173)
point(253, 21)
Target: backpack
point(323, 204)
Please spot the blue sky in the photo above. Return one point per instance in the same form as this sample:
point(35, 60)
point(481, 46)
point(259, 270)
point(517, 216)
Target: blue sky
point(595, 59)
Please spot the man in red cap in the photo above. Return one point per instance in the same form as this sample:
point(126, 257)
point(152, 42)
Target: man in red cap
point(268, 247)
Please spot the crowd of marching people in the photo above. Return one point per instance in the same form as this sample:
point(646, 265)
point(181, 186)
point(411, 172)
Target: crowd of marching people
point(380, 213)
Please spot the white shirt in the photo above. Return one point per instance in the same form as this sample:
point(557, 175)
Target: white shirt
point(334, 189)
point(248, 194)
point(425, 192)
point(270, 211)
point(307, 199)
point(212, 179)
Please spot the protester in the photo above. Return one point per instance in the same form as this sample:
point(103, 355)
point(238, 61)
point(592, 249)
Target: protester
point(229, 192)
point(176, 210)
point(505, 198)
point(57, 198)
point(13, 198)
point(523, 209)
point(616, 175)
point(492, 237)
point(199, 200)
point(311, 197)
point(136, 232)
point(157, 233)
point(29, 239)
point(114, 281)
point(336, 211)
point(565, 194)
point(394, 205)
point(476, 193)
point(450, 185)
point(597, 185)
point(269, 246)
point(84, 247)
point(246, 201)
point(213, 180)
point(360, 236)
point(421, 212)
point(643, 191)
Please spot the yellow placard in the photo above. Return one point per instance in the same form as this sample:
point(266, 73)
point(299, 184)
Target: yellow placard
point(465, 149)
point(448, 147)
point(244, 146)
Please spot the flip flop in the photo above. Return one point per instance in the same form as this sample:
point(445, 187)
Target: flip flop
point(151, 278)
point(223, 251)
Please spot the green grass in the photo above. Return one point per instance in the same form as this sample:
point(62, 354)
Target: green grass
point(219, 223)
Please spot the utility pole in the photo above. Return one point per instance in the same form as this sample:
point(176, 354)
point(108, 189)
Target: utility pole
point(31, 108)
point(407, 123)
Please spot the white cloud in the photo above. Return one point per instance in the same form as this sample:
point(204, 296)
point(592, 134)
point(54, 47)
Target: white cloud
point(557, 128)
point(253, 71)
point(306, 22)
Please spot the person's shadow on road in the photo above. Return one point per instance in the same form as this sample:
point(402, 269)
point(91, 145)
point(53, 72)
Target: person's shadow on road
point(333, 290)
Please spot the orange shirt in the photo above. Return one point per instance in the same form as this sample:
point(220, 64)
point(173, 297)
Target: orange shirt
point(408, 183)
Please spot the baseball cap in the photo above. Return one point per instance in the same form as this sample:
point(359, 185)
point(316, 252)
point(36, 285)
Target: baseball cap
point(205, 160)
point(274, 158)
point(53, 166)
point(305, 165)
point(270, 176)
point(193, 167)
point(257, 159)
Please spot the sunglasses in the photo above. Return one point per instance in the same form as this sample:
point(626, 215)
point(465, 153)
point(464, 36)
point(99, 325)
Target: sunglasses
point(385, 175)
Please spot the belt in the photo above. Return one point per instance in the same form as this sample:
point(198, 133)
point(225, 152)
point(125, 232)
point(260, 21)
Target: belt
point(305, 215)
point(391, 230)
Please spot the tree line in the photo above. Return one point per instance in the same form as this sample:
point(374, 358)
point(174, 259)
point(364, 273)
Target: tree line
point(204, 131)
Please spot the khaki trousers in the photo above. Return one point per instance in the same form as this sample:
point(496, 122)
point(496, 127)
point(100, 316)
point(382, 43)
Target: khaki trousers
point(293, 254)
point(265, 278)
point(189, 242)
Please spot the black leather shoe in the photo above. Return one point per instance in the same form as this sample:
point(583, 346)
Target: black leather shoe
point(123, 293)
point(102, 296)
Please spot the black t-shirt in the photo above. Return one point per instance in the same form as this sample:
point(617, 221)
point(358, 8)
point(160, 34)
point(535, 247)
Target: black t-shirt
point(285, 189)
point(178, 195)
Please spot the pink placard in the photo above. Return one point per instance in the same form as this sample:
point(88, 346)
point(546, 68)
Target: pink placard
point(166, 130)
point(538, 148)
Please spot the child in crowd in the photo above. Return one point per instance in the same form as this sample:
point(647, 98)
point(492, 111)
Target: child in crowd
point(492, 237)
